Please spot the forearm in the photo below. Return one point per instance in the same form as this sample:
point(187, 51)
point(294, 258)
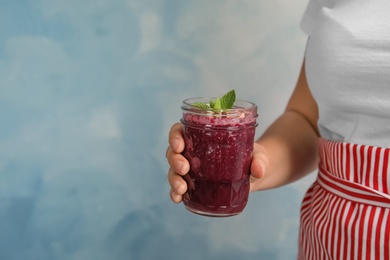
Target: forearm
point(290, 147)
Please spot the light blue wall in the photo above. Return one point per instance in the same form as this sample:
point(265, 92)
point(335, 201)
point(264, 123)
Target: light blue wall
point(88, 92)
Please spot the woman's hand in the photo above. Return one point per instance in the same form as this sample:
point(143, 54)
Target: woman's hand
point(179, 166)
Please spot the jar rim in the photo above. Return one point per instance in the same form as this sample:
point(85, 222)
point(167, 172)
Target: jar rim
point(192, 100)
point(240, 106)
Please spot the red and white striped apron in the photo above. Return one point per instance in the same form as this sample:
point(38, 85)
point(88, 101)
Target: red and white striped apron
point(345, 214)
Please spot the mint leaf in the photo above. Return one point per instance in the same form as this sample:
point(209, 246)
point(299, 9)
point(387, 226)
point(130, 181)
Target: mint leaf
point(212, 103)
point(227, 101)
point(201, 105)
point(218, 104)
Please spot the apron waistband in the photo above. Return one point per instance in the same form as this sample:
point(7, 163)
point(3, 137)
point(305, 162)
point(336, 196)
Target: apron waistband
point(344, 167)
point(352, 191)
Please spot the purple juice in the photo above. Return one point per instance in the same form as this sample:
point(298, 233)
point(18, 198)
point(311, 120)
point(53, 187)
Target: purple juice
point(218, 147)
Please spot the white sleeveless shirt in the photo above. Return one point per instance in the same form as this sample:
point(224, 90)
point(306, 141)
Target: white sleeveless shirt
point(348, 68)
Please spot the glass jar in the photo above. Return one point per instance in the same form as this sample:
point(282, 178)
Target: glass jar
point(218, 146)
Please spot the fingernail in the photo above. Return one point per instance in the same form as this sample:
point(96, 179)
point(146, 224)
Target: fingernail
point(175, 196)
point(175, 144)
point(179, 165)
point(178, 187)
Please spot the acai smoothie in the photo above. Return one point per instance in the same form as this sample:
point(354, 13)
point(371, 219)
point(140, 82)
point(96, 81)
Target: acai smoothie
point(218, 145)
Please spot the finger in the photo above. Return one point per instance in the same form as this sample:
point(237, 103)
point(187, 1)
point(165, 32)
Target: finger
point(177, 161)
point(258, 172)
point(257, 168)
point(259, 161)
point(176, 140)
point(176, 198)
point(177, 183)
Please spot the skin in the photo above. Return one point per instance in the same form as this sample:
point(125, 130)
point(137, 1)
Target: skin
point(286, 151)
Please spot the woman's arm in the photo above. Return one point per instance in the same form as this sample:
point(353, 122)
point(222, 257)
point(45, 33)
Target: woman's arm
point(287, 150)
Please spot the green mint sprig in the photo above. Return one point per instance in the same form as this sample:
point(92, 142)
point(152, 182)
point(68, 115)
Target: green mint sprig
point(219, 104)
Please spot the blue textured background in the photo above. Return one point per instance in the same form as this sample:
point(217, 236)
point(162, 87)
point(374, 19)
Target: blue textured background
point(88, 92)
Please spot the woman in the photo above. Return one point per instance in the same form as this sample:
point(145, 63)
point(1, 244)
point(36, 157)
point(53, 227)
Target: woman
point(340, 107)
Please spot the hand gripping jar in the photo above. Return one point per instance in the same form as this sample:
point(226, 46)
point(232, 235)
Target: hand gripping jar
point(218, 146)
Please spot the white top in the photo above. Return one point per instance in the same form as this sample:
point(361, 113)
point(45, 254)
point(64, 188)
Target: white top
point(348, 68)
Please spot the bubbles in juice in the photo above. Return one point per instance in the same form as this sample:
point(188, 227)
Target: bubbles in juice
point(219, 151)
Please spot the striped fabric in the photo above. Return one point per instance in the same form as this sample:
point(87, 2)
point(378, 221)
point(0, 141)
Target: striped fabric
point(345, 213)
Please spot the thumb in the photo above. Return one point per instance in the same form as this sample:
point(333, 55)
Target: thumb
point(258, 168)
point(259, 161)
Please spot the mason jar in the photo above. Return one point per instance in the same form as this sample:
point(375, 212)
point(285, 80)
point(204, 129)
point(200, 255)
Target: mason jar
point(218, 146)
